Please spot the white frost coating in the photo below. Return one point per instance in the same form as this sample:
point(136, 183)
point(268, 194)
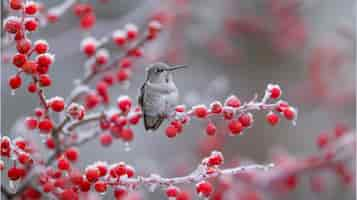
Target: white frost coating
point(61, 8)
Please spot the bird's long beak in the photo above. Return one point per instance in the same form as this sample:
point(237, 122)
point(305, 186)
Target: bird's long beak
point(173, 68)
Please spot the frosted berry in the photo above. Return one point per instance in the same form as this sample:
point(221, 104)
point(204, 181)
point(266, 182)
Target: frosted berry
point(41, 46)
point(92, 174)
point(32, 87)
point(19, 59)
point(57, 104)
point(16, 4)
point(124, 103)
point(63, 164)
point(31, 8)
point(31, 24)
point(15, 81)
point(30, 67)
point(171, 131)
point(211, 129)
point(31, 123)
point(246, 119)
point(200, 111)
point(100, 186)
point(172, 192)
point(12, 24)
point(87, 21)
point(45, 59)
point(131, 31)
point(127, 135)
point(289, 113)
point(45, 125)
point(23, 46)
point(235, 127)
point(45, 80)
point(14, 173)
point(232, 101)
point(119, 37)
point(275, 91)
point(72, 154)
point(89, 46)
point(204, 189)
point(272, 118)
point(216, 107)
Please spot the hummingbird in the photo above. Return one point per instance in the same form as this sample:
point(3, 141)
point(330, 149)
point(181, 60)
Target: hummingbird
point(158, 95)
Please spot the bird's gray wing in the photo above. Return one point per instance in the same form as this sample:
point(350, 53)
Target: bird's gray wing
point(153, 122)
point(141, 97)
point(150, 122)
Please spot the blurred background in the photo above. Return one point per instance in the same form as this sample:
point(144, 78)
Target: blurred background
point(232, 47)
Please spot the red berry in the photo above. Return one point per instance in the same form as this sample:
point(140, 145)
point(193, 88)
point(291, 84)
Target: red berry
point(211, 129)
point(282, 105)
point(31, 8)
point(45, 125)
point(23, 46)
point(89, 46)
point(322, 140)
point(50, 143)
point(102, 167)
point(19, 60)
point(131, 31)
point(63, 164)
point(100, 186)
point(246, 119)
point(31, 123)
point(272, 118)
point(30, 67)
point(171, 131)
point(172, 192)
point(57, 104)
point(45, 80)
point(120, 193)
point(12, 25)
point(127, 135)
point(14, 173)
point(204, 188)
point(24, 158)
point(15, 81)
point(125, 63)
point(45, 59)
point(31, 24)
point(275, 91)
point(289, 113)
point(68, 194)
point(87, 21)
point(16, 4)
point(130, 171)
point(72, 154)
point(41, 46)
point(102, 57)
point(216, 107)
point(123, 75)
point(216, 158)
point(235, 127)
point(32, 87)
point(200, 111)
point(124, 103)
point(232, 101)
point(106, 139)
point(91, 100)
point(119, 38)
point(48, 187)
point(85, 186)
point(92, 174)
point(228, 113)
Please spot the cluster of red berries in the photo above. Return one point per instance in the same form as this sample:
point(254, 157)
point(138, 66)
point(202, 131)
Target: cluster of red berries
point(18, 150)
point(37, 67)
point(100, 60)
point(238, 116)
point(119, 124)
point(86, 14)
